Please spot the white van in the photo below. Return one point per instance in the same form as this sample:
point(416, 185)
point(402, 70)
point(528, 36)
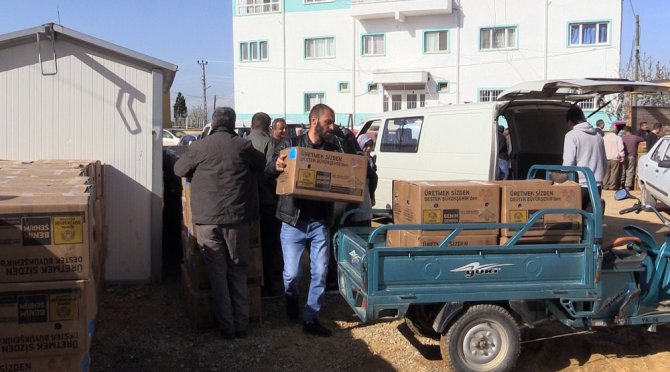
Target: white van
point(458, 142)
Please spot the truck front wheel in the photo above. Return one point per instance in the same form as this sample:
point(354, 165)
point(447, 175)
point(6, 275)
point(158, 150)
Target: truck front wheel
point(419, 320)
point(484, 338)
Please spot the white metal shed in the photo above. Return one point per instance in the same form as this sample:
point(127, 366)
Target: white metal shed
point(67, 95)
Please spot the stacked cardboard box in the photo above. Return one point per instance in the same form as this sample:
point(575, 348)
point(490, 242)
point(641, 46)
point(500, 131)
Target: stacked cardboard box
point(520, 199)
point(52, 249)
point(444, 202)
point(195, 282)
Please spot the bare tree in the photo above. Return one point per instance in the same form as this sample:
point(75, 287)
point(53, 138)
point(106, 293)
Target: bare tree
point(650, 70)
point(196, 117)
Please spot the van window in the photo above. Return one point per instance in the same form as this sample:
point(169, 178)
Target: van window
point(401, 134)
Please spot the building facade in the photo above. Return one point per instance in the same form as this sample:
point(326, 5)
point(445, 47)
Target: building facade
point(367, 56)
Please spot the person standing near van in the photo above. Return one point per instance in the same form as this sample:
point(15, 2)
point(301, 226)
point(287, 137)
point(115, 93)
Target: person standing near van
point(615, 154)
point(305, 225)
point(502, 172)
point(221, 168)
point(630, 142)
point(584, 147)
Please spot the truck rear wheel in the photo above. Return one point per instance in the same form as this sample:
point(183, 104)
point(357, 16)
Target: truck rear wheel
point(484, 338)
point(419, 320)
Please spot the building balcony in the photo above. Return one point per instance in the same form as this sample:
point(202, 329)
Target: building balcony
point(398, 9)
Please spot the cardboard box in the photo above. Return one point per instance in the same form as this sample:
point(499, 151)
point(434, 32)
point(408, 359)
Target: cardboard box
point(446, 202)
point(45, 238)
point(54, 363)
point(401, 238)
point(520, 199)
point(323, 175)
point(46, 318)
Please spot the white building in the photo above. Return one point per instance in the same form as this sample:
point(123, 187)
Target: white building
point(68, 95)
point(367, 56)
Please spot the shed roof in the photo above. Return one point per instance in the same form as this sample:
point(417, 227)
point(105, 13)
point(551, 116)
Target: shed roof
point(60, 32)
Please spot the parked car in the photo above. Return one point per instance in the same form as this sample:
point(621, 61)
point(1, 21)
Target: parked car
point(241, 131)
point(188, 139)
point(171, 137)
point(653, 173)
point(292, 130)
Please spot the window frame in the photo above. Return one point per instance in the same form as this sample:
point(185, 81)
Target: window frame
point(491, 29)
point(447, 37)
point(304, 99)
point(256, 51)
point(581, 24)
point(396, 146)
point(375, 90)
point(363, 36)
point(442, 86)
point(304, 46)
point(310, 2)
point(489, 90)
point(243, 7)
point(339, 87)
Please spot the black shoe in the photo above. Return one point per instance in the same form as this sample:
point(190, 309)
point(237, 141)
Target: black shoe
point(315, 328)
point(292, 308)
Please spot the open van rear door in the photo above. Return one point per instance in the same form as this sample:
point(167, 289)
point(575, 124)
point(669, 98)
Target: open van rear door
point(576, 89)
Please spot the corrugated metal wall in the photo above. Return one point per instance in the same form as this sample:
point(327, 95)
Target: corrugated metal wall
point(97, 106)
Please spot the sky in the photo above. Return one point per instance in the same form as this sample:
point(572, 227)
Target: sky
point(183, 32)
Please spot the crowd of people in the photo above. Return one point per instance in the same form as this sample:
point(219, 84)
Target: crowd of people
point(225, 171)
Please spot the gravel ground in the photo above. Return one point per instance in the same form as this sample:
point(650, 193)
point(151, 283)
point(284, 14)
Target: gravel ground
point(144, 328)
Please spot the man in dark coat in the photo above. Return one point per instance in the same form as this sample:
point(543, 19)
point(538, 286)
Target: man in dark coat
point(221, 168)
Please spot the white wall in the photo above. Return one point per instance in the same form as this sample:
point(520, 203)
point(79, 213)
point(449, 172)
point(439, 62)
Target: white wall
point(95, 107)
point(542, 52)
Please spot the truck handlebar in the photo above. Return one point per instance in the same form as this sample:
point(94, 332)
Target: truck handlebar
point(635, 208)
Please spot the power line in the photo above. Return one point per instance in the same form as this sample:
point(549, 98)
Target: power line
point(631, 7)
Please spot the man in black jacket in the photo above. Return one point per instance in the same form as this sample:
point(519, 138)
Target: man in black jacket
point(305, 222)
point(221, 168)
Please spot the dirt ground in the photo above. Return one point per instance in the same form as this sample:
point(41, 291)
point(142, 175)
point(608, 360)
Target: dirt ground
point(145, 328)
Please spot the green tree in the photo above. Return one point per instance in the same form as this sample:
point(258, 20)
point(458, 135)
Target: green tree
point(179, 108)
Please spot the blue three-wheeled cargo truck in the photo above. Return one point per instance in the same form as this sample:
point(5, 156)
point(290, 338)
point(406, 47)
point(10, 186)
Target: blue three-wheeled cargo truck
point(476, 298)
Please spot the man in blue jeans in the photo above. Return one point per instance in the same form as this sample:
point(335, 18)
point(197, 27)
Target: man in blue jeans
point(305, 225)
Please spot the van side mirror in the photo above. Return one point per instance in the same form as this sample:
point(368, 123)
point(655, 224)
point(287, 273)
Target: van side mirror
point(664, 164)
point(622, 195)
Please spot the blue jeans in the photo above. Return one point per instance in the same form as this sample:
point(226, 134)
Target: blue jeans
point(294, 240)
point(502, 173)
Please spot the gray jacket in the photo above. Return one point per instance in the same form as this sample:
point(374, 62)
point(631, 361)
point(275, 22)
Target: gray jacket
point(221, 168)
point(584, 147)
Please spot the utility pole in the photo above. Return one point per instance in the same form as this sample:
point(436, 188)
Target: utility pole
point(636, 73)
point(202, 64)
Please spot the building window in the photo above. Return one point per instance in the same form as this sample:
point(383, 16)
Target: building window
point(317, 1)
point(411, 101)
point(587, 104)
point(320, 48)
point(497, 38)
point(245, 7)
point(372, 87)
point(489, 95)
point(435, 41)
point(401, 134)
point(312, 99)
point(443, 86)
point(422, 100)
point(343, 86)
point(589, 33)
point(373, 45)
point(254, 51)
point(396, 102)
point(385, 108)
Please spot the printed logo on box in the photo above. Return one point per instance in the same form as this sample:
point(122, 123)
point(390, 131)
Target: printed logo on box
point(36, 230)
point(432, 216)
point(63, 306)
point(32, 309)
point(306, 178)
point(68, 230)
point(450, 215)
point(518, 215)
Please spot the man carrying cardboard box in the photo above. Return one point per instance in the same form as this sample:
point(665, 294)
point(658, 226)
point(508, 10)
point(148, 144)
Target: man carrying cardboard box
point(306, 222)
